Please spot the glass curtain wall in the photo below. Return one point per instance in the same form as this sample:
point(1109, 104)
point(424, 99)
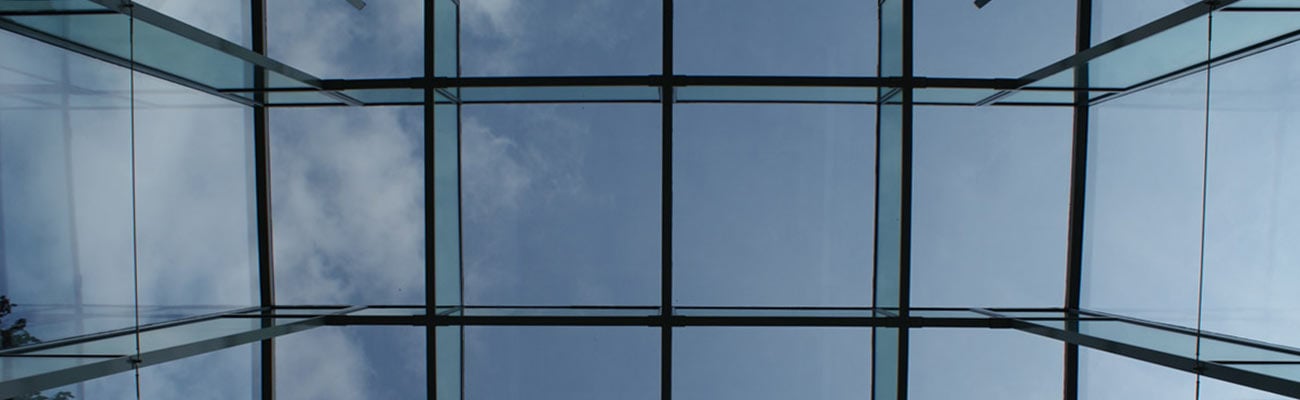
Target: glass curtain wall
point(652, 199)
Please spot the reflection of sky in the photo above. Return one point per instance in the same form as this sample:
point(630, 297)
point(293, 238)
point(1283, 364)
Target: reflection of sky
point(562, 205)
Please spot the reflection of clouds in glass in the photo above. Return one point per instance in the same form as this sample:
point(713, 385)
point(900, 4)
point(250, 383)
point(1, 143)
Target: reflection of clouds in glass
point(227, 19)
point(560, 204)
point(348, 193)
point(352, 363)
point(333, 40)
point(508, 37)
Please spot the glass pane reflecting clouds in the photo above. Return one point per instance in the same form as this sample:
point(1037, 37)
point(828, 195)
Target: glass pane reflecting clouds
point(348, 199)
point(361, 362)
point(561, 363)
point(1252, 224)
point(561, 204)
point(740, 37)
point(982, 364)
point(523, 37)
point(65, 191)
point(195, 213)
point(955, 39)
point(989, 206)
point(233, 373)
point(773, 205)
point(1104, 376)
point(1111, 18)
point(771, 363)
point(226, 19)
point(331, 39)
point(1142, 243)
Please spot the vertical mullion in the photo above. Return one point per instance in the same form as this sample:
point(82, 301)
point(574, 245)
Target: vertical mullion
point(893, 172)
point(430, 231)
point(1078, 186)
point(262, 170)
point(905, 192)
point(666, 202)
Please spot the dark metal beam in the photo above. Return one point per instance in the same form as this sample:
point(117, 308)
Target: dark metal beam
point(666, 202)
point(1078, 186)
point(667, 80)
point(430, 232)
point(262, 180)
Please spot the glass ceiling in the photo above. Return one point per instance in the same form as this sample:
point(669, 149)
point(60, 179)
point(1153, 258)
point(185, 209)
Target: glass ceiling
point(654, 199)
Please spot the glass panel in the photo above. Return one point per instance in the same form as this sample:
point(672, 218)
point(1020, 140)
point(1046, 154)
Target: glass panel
point(771, 363)
point(561, 312)
point(889, 210)
point(1143, 232)
point(1177, 343)
point(65, 191)
point(193, 55)
point(1184, 45)
point(233, 373)
point(446, 203)
point(891, 40)
point(965, 363)
point(1251, 223)
point(446, 25)
point(196, 234)
point(774, 312)
point(450, 362)
point(1235, 30)
point(989, 182)
point(561, 204)
point(332, 39)
point(370, 362)
point(228, 20)
point(776, 94)
point(740, 37)
point(1217, 350)
point(884, 362)
point(561, 363)
point(162, 338)
point(773, 205)
point(1110, 18)
point(574, 37)
point(955, 39)
point(349, 205)
point(1211, 388)
point(558, 94)
point(1178, 47)
point(1106, 376)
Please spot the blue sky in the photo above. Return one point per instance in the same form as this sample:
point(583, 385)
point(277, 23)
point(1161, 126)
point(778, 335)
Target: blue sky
point(561, 205)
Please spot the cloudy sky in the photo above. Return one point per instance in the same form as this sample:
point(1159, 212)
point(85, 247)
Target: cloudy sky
point(773, 203)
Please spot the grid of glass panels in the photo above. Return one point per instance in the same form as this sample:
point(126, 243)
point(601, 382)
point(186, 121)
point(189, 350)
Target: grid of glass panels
point(677, 199)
